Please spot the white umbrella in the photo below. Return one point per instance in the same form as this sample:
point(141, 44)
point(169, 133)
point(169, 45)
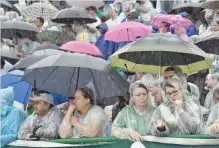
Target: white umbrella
point(45, 10)
point(85, 3)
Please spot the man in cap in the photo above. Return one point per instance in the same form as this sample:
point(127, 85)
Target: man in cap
point(45, 121)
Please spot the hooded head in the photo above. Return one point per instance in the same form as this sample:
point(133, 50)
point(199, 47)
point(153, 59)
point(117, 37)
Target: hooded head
point(103, 28)
point(6, 101)
point(184, 14)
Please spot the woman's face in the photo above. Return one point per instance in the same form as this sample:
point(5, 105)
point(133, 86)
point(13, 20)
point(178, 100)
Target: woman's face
point(173, 94)
point(140, 96)
point(80, 101)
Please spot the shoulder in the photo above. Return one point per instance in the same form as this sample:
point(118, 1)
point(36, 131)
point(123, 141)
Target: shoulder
point(16, 112)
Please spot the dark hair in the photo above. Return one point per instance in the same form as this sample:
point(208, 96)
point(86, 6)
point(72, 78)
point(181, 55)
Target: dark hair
point(166, 24)
point(142, 86)
point(169, 69)
point(2, 62)
point(87, 93)
point(41, 20)
point(93, 8)
point(17, 34)
point(133, 15)
point(216, 91)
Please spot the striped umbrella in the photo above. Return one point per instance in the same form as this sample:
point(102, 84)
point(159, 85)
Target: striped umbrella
point(44, 10)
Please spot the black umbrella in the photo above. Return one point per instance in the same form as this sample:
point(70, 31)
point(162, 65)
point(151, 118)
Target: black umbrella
point(70, 15)
point(209, 46)
point(9, 5)
point(10, 28)
point(64, 74)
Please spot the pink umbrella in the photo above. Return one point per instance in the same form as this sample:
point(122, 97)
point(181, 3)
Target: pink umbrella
point(127, 31)
point(172, 19)
point(81, 47)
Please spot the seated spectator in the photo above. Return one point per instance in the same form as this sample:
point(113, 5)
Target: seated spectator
point(84, 118)
point(212, 125)
point(45, 121)
point(178, 115)
point(133, 121)
point(11, 117)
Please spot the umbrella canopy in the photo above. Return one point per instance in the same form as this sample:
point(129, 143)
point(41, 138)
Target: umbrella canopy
point(154, 52)
point(27, 61)
point(48, 52)
point(209, 46)
point(64, 74)
point(44, 10)
point(70, 15)
point(190, 8)
point(10, 28)
point(128, 31)
point(81, 47)
point(8, 54)
point(86, 3)
point(47, 46)
point(172, 19)
point(6, 4)
point(22, 89)
point(211, 4)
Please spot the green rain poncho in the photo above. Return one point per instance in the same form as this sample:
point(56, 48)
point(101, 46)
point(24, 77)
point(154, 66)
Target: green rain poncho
point(130, 119)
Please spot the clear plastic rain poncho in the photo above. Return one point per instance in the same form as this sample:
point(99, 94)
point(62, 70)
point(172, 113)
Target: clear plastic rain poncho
point(189, 121)
point(213, 117)
point(11, 117)
point(130, 119)
point(95, 120)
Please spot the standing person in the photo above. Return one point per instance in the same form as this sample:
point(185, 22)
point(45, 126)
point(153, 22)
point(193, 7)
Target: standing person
point(93, 32)
point(11, 117)
point(23, 45)
point(146, 11)
point(114, 20)
point(69, 32)
point(211, 82)
point(39, 24)
point(82, 33)
point(45, 121)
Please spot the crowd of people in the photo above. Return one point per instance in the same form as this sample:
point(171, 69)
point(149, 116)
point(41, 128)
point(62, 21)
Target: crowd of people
point(153, 106)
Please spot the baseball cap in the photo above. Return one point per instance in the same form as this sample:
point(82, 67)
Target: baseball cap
point(43, 97)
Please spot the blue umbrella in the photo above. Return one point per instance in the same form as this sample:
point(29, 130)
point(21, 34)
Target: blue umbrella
point(22, 89)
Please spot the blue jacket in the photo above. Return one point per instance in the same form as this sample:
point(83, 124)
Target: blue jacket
point(107, 47)
point(11, 117)
point(191, 30)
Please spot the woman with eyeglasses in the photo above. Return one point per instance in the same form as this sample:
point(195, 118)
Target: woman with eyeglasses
point(179, 114)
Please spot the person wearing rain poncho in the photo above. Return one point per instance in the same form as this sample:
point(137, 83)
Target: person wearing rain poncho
point(84, 118)
point(212, 125)
point(45, 121)
point(133, 121)
point(179, 115)
point(211, 82)
point(11, 117)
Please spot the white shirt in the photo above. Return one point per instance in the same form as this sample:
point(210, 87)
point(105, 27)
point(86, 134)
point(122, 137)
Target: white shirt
point(111, 23)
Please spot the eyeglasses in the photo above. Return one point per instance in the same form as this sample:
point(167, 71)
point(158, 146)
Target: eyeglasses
point(174, 93)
